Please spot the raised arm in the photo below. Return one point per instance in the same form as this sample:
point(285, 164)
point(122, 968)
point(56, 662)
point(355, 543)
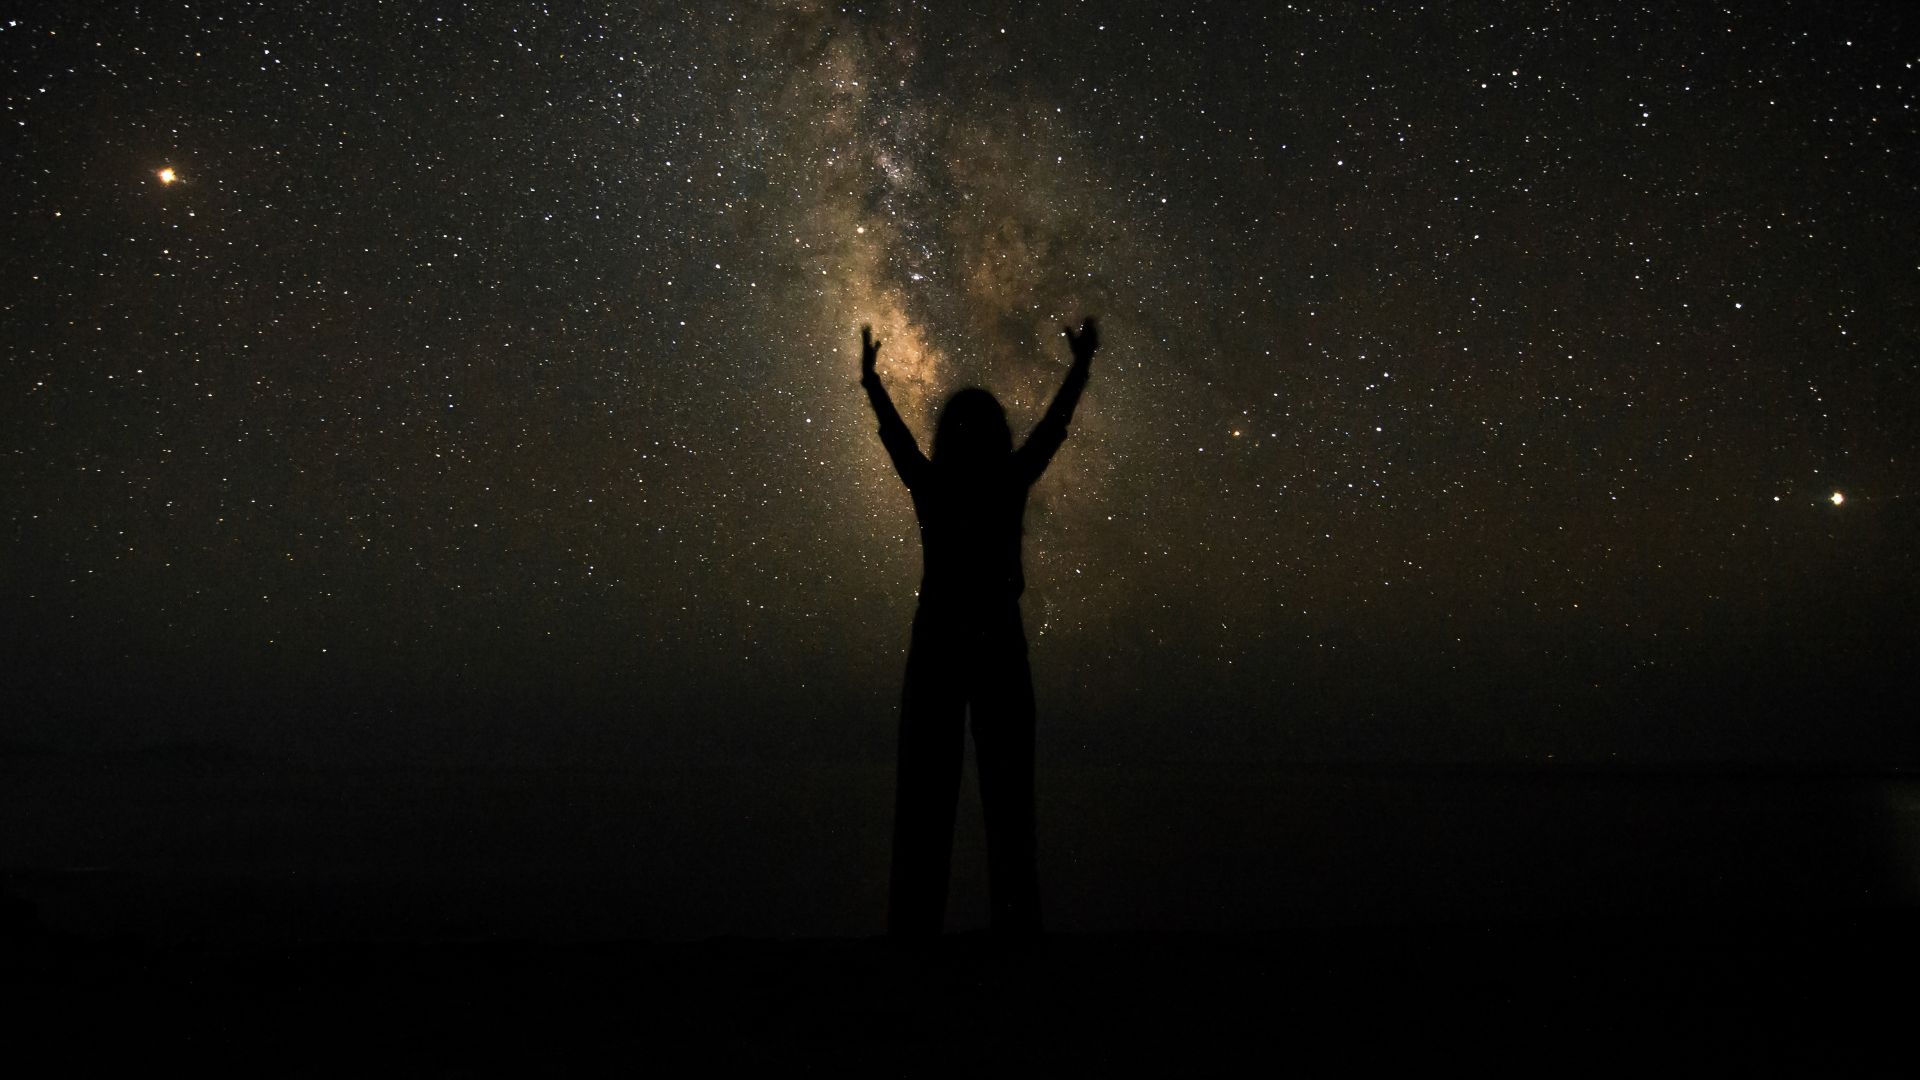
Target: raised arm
point(908, 461)
point(1032, 458)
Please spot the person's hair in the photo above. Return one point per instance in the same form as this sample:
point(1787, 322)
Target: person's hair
point(972, 427)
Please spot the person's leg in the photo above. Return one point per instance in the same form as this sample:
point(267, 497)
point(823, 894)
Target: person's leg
point(932, 748)
point(1003, 733)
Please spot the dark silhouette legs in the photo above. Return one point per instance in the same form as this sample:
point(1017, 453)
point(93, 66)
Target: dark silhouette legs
point(1003, 744)
point(927, 786)
point(957, 661)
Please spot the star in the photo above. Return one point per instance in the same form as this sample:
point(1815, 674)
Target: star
point(1836, 498)
point(167, 175)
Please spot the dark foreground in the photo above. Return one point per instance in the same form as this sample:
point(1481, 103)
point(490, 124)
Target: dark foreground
point(1809, 993)
point(255, 918)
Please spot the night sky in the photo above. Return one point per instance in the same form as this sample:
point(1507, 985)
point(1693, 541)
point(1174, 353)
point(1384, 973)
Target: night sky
point(478, 381)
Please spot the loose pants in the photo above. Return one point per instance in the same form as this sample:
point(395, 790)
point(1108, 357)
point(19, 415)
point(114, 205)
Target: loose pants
point(965, 663)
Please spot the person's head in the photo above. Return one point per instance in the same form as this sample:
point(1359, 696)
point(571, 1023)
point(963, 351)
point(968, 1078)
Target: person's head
point(972, 428)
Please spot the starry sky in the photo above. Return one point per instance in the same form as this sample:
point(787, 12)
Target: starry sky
point(1481, 382)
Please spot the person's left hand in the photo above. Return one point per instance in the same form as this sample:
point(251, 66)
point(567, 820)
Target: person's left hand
point(1086, 341)
point(869, 348)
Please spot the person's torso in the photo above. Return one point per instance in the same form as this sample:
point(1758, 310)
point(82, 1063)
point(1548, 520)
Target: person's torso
point(970, 527)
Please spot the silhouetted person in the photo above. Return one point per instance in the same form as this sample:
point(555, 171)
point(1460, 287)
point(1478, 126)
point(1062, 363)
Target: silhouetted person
point(969, 650)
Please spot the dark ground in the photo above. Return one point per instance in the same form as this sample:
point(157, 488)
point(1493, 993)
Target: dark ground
point(1826, 994)
point(255, 918)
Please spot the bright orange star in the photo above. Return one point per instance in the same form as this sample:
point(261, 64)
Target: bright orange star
point(167, 175)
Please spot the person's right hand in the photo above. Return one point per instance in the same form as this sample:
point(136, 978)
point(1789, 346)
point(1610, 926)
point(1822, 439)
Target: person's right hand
point(869, 348)
point(1086, 341)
